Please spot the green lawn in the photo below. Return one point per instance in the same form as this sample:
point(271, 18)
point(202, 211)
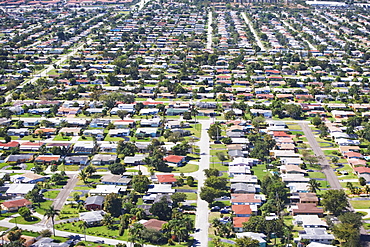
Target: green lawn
point(68, 168)
point(191, 196)
point(51, 194)
point(360, 204)
point(21, 220)
point(69, 211)
point(259, 171)
point(187, 168)
point(316, 175)
point(43, 206)
point(196, 129)
point(3, 228)
point(112, 139)
point(62, 138)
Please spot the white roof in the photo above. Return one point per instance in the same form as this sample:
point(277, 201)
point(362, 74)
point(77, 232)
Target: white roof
point(161, 188)
point(19, 188)
point(107, 189)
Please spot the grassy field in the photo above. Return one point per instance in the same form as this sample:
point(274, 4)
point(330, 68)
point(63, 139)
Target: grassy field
point(69, 211)
point(43, 206)
point(62, 138)
point(259, 171)
point(187, 168)
point(191, 196)
point(360, 204)
point(21, 220)
point(51, 194)
point(68, 168)
point(316, 175)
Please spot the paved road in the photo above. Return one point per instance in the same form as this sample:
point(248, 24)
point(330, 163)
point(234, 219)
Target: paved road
point(328, 171)
point(201, 219)
point(210, 30)
point(61, 198)
point(256, 37)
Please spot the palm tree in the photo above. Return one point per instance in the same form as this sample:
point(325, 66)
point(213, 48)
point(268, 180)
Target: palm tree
point(367, 189)
point(108, 221)
point(135, 232)
point(51, 212)
point(313, 185)
point(84, 225)
point(83, 176)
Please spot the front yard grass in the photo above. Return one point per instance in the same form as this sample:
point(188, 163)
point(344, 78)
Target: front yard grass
point(62, 138)
point(316, 175)
point(52, 194)
point(360, 204)
point(186, 168)
point(21, 220)
point(191, 196)
point(43, 206)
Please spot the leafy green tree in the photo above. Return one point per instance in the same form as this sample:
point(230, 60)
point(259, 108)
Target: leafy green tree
point(90, 170)
point(211, 172)
point(161, 209)
point(313, 185)
point(140, 183)
point(190, 181)
point(352, 218)
point(117, 168)
point(209, 194)
point(122, 114)
point(25, 213)
point(214, 131)
point(218, 183)
point(335, 201)
point(83, 176)
point(246, 242)
point(177, 198)
point(113, 204)
point(349, 235)
point(126, 148)
point(316, 121)
point(181, 149)
point(108, 221)
point(294, 111)
point(222, 157)
point(50, 213)
point(362, 181)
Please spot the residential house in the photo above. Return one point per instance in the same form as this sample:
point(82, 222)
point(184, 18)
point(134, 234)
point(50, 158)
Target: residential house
point(92, 218)
point(138, 159)
point(28, 178)
point(119, 132)
point(309, 221)
point(161, 189)
point(98, 133)
point(94, 203)
point(18, 132)
point(80, 160)
point(242, 210)
point(70, 131)
point(175, 160)
point(18, 189)
point(238, 223)
point(14, 205)
point(19, 158)
point(99, 123)
point(47, 159)
point(166, 179)
point(104, 190)
point(153, 224)
point(124, 124)
point(103, 159)
point(260, 237)
point(81, 147)
point(319, 235)
point(306, 209)
point(146, 132)
point(115, 180)
point(242, 188)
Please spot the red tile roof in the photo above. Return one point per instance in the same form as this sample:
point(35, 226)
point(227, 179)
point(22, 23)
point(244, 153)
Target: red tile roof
point(173, 158)
point(17, 203)
point(11, 144)
point(241, 209)
point(168, 178)
point(362, 169)
point(154, 224)
point(238, 221)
